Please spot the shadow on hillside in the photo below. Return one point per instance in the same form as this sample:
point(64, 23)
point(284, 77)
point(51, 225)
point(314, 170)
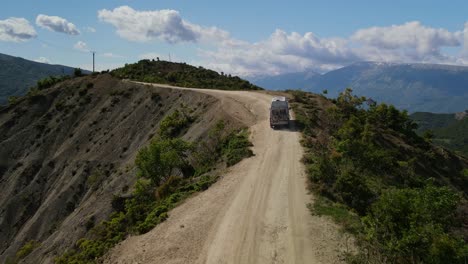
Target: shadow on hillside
point(294, 126)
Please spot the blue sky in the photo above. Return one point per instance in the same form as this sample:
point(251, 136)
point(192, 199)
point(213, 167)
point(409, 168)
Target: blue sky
point(239, 37)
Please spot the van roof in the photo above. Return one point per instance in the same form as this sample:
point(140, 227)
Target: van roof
point(279, 98)
point(279, 104)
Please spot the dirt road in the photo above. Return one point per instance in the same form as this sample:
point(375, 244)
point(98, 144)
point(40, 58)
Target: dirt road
point(257, 213)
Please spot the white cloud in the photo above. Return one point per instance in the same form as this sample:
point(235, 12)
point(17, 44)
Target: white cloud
point(57, 24)
point(42, 60)
point(465, 40)
point(411, 40)
point(81, 46)
point(90, 29)
point(280, 53)
point(112, 55)
point(166, 25)
point(286, 52)
point(16, 29)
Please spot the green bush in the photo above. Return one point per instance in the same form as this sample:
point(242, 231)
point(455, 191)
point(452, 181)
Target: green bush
point(353, 191)
point(236, 147)
point(338, 212)
point(50, 81)
point(173, 124)
point(27, 249)
point(77, 72)
point(413, 226)
point(374, 163)
point(12, 100)
point(158, 160)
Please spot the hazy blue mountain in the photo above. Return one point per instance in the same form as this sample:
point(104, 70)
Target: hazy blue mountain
point(285, 81)
point(415, 87)
point(17, 75)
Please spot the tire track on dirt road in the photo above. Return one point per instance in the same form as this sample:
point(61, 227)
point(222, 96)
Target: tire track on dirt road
point(256, 213)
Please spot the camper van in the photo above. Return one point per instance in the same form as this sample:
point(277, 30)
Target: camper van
point(279, 112)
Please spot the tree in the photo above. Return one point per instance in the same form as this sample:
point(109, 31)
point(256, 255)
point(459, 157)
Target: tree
point(158, 161)
point(428, 135)
point(77, 72)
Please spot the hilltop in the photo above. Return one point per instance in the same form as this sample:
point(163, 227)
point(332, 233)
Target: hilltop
point(17, 75)
point(181, 74)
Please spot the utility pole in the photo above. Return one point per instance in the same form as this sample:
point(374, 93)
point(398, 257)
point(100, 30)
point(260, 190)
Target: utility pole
point(93, 59)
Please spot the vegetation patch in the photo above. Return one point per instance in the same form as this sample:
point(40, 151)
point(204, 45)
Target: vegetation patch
point(50, 81)
point(445, 130)
point(236, 147)
point(169, 170)
point(181, 74)
point(401, 197)
point(24, 251)
point(338, 212)
point(174, 124)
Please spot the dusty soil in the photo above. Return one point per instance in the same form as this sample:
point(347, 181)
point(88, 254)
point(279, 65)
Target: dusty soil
point(256, 213)
point(66, 152)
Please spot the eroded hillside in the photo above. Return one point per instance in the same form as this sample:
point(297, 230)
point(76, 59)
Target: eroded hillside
point(66, 151)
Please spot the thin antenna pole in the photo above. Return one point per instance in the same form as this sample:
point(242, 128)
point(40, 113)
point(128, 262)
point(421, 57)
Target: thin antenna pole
point(169, 56)
point(93, 59)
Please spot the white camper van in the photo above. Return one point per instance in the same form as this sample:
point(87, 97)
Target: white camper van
point(279, 112)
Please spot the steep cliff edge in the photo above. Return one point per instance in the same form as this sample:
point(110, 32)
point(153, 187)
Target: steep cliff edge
point(67, 150)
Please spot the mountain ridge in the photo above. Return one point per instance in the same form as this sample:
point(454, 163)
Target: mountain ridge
point(17, 75)
point(416, 87)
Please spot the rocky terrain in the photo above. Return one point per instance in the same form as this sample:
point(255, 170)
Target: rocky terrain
point(66, 151)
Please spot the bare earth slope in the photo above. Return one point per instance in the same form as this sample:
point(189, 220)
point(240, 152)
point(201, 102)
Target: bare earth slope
point(65, 153)
point(257, 213)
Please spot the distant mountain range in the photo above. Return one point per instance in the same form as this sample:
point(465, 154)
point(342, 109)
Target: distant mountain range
point(415, 87)
point(17, 75)
point(285, 81)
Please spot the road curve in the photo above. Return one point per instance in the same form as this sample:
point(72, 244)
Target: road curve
point(256, 213)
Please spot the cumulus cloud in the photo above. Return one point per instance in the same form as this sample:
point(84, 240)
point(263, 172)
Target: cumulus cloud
point(412, 39)
point(81, 46)
point(42, 60)
point(282, 52)
point(16, 29)
point(166, 25)
point(57, 24)
point(286, 52)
